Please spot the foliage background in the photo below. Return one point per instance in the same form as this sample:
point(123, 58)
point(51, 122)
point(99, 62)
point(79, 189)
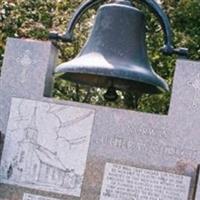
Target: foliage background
point(35, 18)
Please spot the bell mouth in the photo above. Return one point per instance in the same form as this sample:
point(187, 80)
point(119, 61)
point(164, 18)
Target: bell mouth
point(103, 81)
point(98, 70)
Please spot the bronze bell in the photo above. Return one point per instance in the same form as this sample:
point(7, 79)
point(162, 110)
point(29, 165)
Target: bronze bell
point(115, 55)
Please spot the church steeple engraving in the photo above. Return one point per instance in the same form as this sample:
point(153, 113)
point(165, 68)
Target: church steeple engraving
point(31, 131)
point(40, 132)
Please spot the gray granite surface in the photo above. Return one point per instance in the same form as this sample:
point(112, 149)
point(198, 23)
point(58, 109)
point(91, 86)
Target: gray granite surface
point(26, 72)
point(161, 142)
point(168, 143)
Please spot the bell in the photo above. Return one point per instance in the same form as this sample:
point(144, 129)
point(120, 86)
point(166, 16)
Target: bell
point(115, 54)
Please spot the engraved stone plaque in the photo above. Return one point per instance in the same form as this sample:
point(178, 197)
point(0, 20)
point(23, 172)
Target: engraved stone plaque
point(46, 146)
point(28, 196)
point(124, 183)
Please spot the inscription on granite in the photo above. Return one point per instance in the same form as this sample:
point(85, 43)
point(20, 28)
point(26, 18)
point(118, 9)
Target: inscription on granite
point(124, 183)
point(28, 196)
point(46, 146)
point(153, 147)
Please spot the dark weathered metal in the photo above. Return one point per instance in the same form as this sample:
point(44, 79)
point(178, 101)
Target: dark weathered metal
point(167, 49)
point(111, 94)
point(115, 54)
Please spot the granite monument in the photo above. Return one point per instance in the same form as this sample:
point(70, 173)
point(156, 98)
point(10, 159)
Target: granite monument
point(123, 154)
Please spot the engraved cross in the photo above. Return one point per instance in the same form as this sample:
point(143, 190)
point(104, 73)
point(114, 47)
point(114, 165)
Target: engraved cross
point(26, 72)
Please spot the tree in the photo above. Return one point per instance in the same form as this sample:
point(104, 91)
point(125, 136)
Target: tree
point(35, 18)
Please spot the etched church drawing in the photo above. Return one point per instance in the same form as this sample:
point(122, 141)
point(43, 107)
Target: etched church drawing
point(36, 164)
point(46, 146)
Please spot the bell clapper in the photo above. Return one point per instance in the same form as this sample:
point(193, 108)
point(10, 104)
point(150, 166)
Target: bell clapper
point(111, 94)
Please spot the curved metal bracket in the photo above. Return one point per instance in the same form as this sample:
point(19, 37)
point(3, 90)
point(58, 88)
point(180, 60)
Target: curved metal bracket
point(68, 35)
point(168, 48)
point(79, 12)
